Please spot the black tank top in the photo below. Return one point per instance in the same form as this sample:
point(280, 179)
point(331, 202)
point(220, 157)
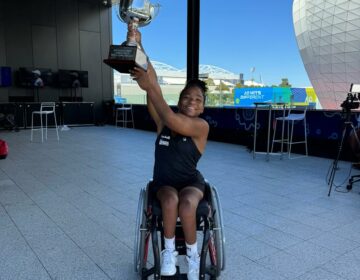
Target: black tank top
point(176, 158)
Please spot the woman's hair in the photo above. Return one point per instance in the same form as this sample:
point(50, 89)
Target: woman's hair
point(195, 83)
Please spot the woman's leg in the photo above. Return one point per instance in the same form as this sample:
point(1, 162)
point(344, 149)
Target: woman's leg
point(189, 198)
point(169, 200)
point(168, 197)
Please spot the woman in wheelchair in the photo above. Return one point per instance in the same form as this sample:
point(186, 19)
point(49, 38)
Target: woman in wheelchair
point(181, 140)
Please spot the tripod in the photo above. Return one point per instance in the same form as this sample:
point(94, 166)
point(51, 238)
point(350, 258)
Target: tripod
point(347, 123)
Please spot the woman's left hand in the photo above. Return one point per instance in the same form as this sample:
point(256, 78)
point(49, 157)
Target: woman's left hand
point(141, 77)
point(145, 79)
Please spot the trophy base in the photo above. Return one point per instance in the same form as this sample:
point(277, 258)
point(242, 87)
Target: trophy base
point(124, 58)
point(123, 66)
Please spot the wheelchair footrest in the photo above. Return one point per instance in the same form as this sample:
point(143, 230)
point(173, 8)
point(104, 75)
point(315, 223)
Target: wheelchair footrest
point(177, 276)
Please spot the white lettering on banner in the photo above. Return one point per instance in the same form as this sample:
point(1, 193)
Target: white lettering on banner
point(164, 143)
point(165, 136)
point(252, 95)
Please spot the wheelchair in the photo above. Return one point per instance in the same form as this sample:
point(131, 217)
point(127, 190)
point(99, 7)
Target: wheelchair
point(149, 234)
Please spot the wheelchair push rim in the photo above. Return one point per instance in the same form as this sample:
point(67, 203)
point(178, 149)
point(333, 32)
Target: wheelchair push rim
point(218, 231)
point(140, 233)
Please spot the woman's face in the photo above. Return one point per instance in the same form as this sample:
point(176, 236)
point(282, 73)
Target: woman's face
point(191, 102)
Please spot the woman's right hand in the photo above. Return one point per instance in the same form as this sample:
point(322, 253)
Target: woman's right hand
point(133, 33)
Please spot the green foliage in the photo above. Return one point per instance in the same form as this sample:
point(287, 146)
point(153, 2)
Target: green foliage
point(209, 82)
point(219, 99)
point(222, 87)
point(285, 83)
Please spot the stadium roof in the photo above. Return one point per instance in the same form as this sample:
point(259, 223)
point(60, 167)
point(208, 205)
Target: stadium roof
point(216, 72)
point(164, 67)
point(213, 71)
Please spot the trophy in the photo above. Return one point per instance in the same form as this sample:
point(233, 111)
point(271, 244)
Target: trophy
point(129, 54)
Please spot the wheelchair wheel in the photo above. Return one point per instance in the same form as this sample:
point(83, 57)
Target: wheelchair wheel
point(142, 234)
point(218, 231)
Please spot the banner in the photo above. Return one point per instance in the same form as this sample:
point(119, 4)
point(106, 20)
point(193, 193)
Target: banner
point(245, 97)
point(282, 95)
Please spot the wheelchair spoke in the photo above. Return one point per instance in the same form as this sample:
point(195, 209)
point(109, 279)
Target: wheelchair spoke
point(212, 251)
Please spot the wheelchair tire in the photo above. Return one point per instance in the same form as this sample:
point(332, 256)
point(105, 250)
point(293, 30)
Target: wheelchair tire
point(218, 232)
point(140, 233)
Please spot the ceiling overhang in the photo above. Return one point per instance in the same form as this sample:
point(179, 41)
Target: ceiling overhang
point(109, 3)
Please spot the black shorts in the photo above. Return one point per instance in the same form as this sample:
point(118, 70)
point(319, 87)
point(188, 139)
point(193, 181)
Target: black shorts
point(198, 182)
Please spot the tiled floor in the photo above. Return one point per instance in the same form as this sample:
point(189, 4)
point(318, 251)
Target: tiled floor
point(67, 209)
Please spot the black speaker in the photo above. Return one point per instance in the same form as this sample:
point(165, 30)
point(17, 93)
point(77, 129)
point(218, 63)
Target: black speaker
point(21, 99)
point(70, 99)
point(75, 113)
point(5, 76)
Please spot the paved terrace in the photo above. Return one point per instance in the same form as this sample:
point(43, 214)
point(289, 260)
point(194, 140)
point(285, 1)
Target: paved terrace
point(67, 209)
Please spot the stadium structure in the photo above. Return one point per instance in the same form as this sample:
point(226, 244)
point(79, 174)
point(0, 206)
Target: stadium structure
point(328, 37)
point(171, 80)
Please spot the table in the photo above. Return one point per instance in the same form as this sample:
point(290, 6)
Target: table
point(269, 106)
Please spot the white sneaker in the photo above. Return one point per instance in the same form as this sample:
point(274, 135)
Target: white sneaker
point(168, 262)
point(194, 267)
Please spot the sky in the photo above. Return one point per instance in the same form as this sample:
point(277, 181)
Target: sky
point(236, 35)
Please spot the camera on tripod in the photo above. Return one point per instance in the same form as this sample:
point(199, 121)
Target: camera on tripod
point(352, 100)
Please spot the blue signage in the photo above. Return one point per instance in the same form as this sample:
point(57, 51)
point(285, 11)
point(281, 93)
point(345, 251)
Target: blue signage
point(299, 94)
point(281, 94)
point(245, 97)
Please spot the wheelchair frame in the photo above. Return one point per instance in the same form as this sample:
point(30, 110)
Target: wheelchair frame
point(149, 223)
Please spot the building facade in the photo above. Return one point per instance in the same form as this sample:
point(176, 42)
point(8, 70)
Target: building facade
point(328, 36)
point(61, 34)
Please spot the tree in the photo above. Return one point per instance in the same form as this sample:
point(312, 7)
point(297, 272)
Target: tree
point(239, 85)
point(209, 82)
point(222, 87)
point(285, 83)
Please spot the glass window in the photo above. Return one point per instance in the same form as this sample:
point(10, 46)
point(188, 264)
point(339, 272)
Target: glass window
point(242, 44)
point(250, 44)
point(164, 41)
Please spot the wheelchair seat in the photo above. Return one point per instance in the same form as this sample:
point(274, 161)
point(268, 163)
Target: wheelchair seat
point(149, 229)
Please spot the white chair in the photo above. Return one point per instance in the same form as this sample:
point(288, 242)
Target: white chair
point(46, 108)
point(122, 111)
point(294, 116)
